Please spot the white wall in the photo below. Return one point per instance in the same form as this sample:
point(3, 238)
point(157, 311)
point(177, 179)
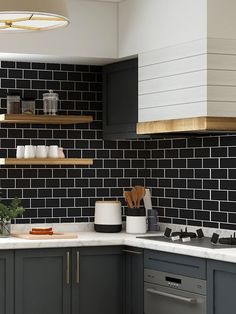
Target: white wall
point(152, 24)
point(91, 37)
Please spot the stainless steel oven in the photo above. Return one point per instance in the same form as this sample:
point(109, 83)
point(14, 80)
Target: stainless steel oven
point(166, 293)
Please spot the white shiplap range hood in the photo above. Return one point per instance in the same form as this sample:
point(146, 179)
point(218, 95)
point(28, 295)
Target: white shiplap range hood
point(188, 82)
point(188, 88)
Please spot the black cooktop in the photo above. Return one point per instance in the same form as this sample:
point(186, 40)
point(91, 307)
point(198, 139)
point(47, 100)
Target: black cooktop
point(196, 239)
point(203, 242)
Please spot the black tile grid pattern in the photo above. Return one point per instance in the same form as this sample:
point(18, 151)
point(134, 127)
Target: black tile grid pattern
point(193, 180)
point(65, 193)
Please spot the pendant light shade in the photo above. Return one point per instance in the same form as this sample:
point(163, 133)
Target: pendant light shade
point(32, 15)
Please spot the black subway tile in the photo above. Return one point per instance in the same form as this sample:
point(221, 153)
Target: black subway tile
point(219, 195)
point(23, 65)
point(194, 142)
point(38, 66)
point(202, 215)
point(228, 184)
point(202, 194)
point(227, 206)
point(228, 226)
point(228, 141)
point(186, 213)
point(202, 152)
point(217, 216)
point(219, 152)
point(171, 212)
point(30, 74)
point(211, 184)
point(8, 64)
point(219, 173)
point(209, 224)
point(8, 83)
point(196, 223)
point(211, 141)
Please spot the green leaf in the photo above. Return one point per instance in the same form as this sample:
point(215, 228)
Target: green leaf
point(12, 211)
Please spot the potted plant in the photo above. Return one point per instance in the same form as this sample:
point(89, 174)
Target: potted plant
point(8, 212)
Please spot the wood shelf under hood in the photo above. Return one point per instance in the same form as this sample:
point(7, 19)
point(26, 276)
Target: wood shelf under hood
point(44, 119)
point(46, 161)
point(191, 125)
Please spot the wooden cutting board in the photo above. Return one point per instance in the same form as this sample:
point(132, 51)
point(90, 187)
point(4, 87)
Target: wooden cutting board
point(55, 235)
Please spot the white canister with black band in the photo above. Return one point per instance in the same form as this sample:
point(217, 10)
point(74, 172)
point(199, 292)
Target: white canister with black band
point(108, 216)
point(136, 221)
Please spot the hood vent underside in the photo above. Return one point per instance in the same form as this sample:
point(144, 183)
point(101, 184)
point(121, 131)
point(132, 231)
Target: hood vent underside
point(197, 124)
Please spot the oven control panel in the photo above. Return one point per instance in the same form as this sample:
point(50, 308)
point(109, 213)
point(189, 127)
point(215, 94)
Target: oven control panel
point(175, 281)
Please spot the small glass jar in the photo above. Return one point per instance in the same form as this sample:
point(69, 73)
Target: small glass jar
point(13, 103)
point(50, 102)
point(28, 106)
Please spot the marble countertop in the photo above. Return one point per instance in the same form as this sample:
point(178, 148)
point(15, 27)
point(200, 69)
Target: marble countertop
point(91, 238)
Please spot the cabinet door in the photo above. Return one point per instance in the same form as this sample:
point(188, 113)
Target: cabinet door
point(120, 98)
point(221, 282)
point(97, 281)
point(6, 282)
point(42, 281)
point(133, 281)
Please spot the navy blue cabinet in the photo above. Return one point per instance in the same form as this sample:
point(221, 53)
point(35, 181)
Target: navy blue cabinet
point(6, 282)
point(221, 285)
point(133, 281)
point(120, 100)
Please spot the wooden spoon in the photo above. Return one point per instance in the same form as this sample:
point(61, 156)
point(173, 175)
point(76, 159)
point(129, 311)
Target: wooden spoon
point(140, 193)
point(127, 196)
point(134, 196)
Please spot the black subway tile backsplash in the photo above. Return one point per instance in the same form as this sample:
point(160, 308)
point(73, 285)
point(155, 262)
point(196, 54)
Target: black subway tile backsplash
point(198, 181)
point(192, 179)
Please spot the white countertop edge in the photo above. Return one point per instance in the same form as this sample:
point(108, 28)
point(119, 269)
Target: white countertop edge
point(88, 238)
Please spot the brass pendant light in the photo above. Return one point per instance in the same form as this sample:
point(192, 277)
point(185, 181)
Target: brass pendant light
point(32, 15)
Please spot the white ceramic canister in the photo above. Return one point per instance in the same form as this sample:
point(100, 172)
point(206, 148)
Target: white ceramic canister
point(30, 151)
point(108, 216)
point(136, 221)
point(20, 152)
point(53, 151)
point(41, 151)
point(136, 224)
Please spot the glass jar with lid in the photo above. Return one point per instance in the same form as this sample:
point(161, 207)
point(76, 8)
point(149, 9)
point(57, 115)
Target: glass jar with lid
point(50, 102)
point(13, 103)
point(28, 106)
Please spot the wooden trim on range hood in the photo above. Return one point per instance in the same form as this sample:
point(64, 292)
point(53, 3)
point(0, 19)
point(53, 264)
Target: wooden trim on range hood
point(197, 124)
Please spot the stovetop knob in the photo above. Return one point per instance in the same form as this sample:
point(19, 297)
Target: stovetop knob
point(200, 233)
point(167, 232)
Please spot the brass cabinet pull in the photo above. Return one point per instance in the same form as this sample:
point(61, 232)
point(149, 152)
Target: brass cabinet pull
point(77, 267)
point(68, 267)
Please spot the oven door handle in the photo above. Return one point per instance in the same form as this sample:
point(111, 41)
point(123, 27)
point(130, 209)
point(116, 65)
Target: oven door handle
point(172, 296)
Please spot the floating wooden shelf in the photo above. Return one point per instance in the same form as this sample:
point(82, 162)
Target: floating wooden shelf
point(44, 119)
point(46, 161)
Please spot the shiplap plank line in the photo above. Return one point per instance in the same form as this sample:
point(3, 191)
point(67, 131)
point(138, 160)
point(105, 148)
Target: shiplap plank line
point(172, 112)
point(173, 52)
point(172, 97)
point(187, 65)
point(221, 62)
point(187, 80)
